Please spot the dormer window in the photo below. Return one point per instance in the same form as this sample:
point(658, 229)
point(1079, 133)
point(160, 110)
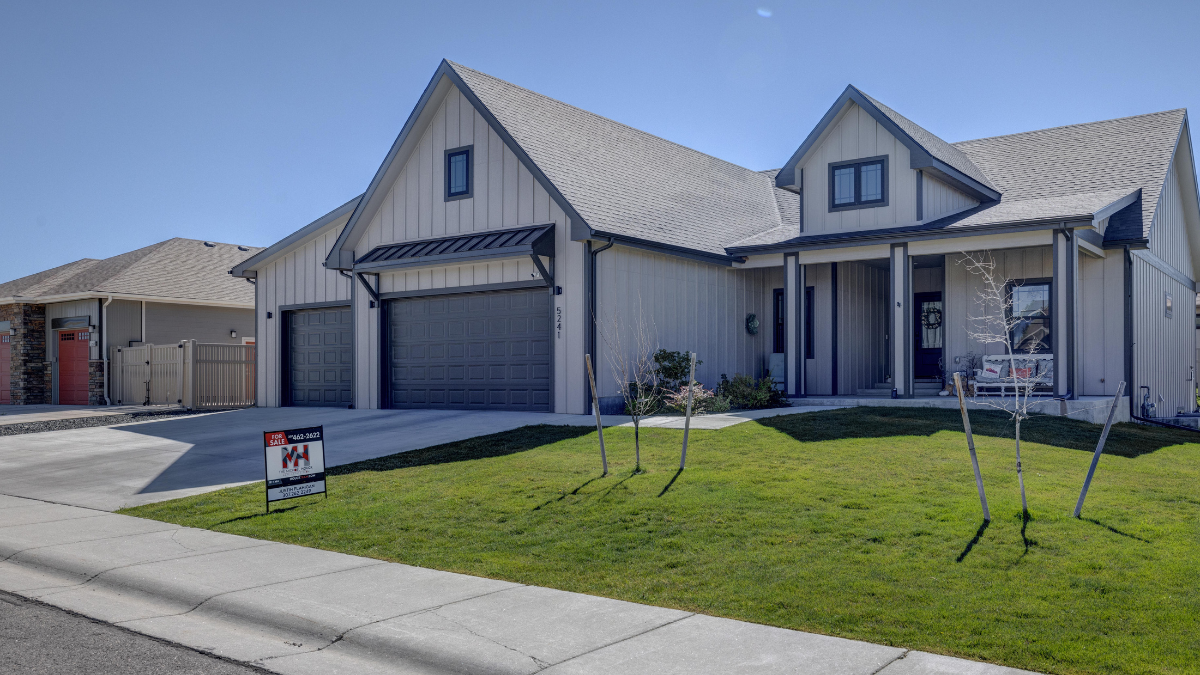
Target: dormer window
point(458, 173)
point(858, 184)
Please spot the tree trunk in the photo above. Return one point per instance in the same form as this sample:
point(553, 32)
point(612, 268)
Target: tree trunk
point(1020, 476)
point(637, 444)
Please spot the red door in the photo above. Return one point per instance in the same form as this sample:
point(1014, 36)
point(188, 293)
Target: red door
point(6, 368)
point(73, 367)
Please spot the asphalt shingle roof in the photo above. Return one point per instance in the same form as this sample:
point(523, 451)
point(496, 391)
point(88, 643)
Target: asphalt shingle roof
point(627, 182)
point(186, 269)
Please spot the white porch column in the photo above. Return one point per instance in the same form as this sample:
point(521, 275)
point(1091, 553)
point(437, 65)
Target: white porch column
point(793, 316)
point(900, 309)
point(1064, 314)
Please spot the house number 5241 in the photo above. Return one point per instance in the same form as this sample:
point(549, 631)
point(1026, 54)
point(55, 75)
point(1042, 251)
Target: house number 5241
point(558, 321)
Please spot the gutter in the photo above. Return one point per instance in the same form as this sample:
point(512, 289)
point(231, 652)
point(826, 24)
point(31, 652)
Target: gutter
point(592, 253)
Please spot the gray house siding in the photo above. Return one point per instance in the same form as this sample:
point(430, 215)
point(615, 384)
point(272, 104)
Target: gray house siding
point(1164, 347)
point(124, 323)
point(170, 323)
point(862, 326)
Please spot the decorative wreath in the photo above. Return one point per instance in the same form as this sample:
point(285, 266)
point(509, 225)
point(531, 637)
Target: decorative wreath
point(752, 324)
point(931, 318)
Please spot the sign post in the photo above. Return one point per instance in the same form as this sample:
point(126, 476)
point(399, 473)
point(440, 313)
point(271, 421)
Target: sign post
point(295, 463)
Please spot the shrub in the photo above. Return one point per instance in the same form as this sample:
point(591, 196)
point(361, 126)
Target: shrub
point(748, 393)
point(703, 401)
point(673, 368)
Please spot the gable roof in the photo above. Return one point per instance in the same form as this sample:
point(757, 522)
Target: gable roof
point(926, 150)
point(182, 269)
point(610, 179)
point(1128, 154)
point(247, 267)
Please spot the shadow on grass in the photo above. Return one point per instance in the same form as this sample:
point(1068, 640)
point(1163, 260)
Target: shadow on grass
point(481, 447)
point(1025, 518)
point(974, 540)
point(618, 484)
point(1114, 530)
point(264, 514)
point(672, 482)
point(1125, 440)
point(564, 495)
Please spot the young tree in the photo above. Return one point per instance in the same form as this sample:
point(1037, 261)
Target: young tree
point(631, 348)
point(998, 322)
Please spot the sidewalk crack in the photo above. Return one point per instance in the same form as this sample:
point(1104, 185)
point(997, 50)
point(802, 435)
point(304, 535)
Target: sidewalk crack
point(628, 637)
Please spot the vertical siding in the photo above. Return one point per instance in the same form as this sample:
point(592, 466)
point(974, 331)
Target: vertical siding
point(687, 306)
point(1168, 233)
point(857, 135)
point(819, 372)
point(1101, 324)
point(296, 277)
point(1164, 347)
point(862, 326)
point(505, 193)
point(961, 295)
point(63, 310)
point(941, 200)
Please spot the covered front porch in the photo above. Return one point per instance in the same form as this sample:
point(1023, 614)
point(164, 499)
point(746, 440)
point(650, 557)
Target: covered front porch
point(892, 322)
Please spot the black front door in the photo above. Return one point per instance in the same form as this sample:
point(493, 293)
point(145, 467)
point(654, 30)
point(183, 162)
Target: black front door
point(928, 335)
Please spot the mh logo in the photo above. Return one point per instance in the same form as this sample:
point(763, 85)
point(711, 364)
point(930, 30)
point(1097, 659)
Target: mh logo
point(295, 456)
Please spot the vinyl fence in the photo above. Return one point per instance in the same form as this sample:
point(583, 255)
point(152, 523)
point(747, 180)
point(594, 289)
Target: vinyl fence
point(190, 374)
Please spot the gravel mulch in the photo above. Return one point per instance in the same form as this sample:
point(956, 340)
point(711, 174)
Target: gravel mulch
point(93, 421)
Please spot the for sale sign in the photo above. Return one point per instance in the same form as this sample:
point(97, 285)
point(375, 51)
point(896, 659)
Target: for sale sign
point(295, 463)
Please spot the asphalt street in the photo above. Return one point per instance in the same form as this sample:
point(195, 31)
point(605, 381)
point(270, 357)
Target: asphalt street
point(37, 639)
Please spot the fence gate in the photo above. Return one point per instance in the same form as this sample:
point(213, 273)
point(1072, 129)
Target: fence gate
point(189, 374)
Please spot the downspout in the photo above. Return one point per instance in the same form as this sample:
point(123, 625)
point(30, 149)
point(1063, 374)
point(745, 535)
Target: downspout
point(592, 253)
point(104, 345)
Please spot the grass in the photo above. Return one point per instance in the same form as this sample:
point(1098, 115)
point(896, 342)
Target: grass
point(860, 523)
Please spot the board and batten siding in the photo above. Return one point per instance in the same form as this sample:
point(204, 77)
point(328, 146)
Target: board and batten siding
point(504, 194)
point(961, 297)
point(856, 135)
point(685, 306)
point(1169, 232)
point(296, 277)
point(63, 310)
point(940, 200)
point(1101, 324)
point(862, 326)
point(818, 374)
point(1164, 347)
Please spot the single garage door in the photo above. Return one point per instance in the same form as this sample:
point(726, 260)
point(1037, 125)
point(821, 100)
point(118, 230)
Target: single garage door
point(476, 351)
point(321, 356)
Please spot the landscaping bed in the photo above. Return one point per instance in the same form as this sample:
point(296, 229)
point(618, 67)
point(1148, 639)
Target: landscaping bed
point(861, 523)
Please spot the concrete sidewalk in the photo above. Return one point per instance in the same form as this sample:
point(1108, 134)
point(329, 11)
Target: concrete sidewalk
point(291, 609)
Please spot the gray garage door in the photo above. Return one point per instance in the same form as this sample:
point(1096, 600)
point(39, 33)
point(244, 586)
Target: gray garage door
point(321, 356)
point(477, 351)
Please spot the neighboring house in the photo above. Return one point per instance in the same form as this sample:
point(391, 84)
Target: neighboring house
point(507, 234)
point(59, 325)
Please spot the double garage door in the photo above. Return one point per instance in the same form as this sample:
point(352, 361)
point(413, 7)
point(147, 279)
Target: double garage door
point(320, 357)
point(475, 351)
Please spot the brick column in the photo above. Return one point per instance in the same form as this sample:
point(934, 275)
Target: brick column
point(30, 375)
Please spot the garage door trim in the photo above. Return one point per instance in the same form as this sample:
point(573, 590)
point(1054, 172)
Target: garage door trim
point(462, 290)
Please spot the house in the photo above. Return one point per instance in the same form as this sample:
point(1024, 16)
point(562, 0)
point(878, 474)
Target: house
point(506, 235)
point(59, 327)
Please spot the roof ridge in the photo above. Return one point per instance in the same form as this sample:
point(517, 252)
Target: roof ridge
point(1069, 126)
point(606, 119)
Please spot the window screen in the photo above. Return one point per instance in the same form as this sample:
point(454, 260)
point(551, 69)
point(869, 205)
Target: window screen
point(872, 182)
point(843, 185)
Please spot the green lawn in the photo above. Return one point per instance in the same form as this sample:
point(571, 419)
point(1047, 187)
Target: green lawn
point(860, 523)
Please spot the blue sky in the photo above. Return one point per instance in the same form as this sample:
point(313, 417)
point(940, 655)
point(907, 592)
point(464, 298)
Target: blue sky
point(123, 124)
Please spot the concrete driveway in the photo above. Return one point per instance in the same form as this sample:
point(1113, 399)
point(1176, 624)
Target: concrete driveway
point(112, 467)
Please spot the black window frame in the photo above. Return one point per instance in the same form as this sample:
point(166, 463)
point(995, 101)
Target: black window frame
point(779, 321)
point(858, 202)
point(1048, 282)
point(469, 151)
point(810, 292)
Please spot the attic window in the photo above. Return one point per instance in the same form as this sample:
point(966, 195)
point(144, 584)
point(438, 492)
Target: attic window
point(858, 184)
point(458, 173)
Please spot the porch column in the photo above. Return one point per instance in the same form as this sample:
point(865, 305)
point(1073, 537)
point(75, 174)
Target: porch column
point(793, 316)
point(1064, 308)
point(900, 309)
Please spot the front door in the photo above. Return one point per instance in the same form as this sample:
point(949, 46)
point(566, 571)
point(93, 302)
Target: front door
point(928, 337)
point(73, 367)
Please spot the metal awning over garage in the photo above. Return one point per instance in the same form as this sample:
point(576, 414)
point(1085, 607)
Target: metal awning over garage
point(533, 240)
